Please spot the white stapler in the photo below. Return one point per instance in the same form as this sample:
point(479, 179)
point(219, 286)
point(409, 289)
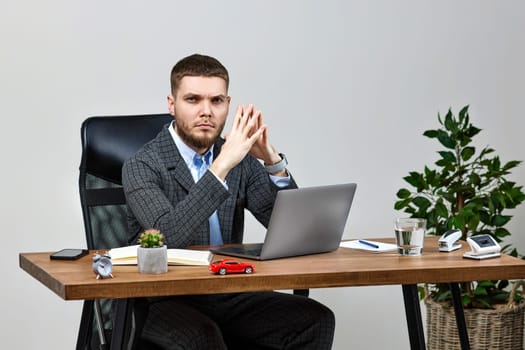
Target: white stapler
point(482, 247)
point(447, 242)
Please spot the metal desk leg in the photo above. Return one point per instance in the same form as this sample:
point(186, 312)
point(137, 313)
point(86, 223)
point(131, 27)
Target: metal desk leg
point(86, 324)
point(460, 316)
point(121, 324)
point(413, 314)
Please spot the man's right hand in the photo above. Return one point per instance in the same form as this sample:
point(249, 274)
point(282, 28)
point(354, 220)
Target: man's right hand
point(244, 134)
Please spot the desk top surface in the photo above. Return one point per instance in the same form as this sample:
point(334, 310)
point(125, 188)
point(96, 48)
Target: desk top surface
point(75, 280)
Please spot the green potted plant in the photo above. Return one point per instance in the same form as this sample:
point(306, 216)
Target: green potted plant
point(152, 253)
point(469, 191)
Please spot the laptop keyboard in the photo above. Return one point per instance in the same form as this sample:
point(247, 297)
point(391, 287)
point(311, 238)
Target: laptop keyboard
point(245, 250)
point(254, 252)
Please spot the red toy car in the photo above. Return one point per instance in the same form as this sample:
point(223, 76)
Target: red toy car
point(225, 266)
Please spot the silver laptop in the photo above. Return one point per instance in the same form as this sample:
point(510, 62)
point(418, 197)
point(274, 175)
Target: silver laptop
point(304, 221)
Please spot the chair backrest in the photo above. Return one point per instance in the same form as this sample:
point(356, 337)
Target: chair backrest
point(106, 143)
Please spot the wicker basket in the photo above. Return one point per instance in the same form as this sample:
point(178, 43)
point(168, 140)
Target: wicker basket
point(488, 329)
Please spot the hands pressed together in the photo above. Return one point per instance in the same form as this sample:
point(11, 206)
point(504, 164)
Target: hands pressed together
point(249, 135)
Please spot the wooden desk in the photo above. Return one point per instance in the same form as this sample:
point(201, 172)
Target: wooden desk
point(75, 280)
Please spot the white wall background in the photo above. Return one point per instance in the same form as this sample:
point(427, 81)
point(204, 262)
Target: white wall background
point(347, 88)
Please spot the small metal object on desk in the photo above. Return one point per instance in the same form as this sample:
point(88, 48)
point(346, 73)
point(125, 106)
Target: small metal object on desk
point(102, 266)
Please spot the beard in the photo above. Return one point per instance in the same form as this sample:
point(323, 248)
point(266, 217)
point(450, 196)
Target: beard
point(199, 142)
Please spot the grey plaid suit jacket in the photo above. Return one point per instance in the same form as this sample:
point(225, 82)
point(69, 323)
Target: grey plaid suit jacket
point(160, 193)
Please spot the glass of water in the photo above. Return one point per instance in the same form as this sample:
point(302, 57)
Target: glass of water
point(410, 234)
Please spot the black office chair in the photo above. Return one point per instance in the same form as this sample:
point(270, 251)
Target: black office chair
point(106, 143)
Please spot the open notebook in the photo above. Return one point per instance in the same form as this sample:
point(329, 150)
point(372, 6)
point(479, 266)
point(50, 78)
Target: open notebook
point(128, 256)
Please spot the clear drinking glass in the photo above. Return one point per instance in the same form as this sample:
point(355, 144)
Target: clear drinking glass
point(410, 234)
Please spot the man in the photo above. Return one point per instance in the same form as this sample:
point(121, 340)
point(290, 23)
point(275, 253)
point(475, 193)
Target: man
point(193, 186)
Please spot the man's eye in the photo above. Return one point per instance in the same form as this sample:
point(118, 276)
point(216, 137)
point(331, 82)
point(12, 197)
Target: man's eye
point(191, 99)
point(217, 100)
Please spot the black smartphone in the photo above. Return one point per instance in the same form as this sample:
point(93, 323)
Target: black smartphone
point(69, 254)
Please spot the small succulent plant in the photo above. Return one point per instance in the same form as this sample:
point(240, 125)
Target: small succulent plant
point(151, 238)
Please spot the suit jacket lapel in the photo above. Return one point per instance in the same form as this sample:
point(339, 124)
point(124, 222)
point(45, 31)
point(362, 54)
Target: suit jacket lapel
point(174, 162)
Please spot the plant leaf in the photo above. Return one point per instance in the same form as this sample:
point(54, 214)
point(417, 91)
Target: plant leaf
point(449, 121)
point(431, 133)
point(467, 153)
point(472, 131)
point(403, 193)
point(446, 140)
point(422, 202)
point(511, 164)
point(463, 113)
point(415, 179)
point(500, 220)
point(441, 210)
point(448, 155)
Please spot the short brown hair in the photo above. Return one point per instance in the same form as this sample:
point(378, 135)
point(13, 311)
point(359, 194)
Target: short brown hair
point(197, 65)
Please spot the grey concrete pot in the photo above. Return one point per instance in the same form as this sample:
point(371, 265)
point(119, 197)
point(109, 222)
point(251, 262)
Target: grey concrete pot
point(152, 260)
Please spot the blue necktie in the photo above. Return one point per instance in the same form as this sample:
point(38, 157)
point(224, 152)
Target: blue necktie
point(202, 163)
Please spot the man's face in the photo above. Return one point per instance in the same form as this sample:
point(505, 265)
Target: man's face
point(200, 108)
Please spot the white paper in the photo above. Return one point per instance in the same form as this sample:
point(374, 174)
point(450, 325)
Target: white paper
point(381, 247)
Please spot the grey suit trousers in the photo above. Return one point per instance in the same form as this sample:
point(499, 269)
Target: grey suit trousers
point(263, 320)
